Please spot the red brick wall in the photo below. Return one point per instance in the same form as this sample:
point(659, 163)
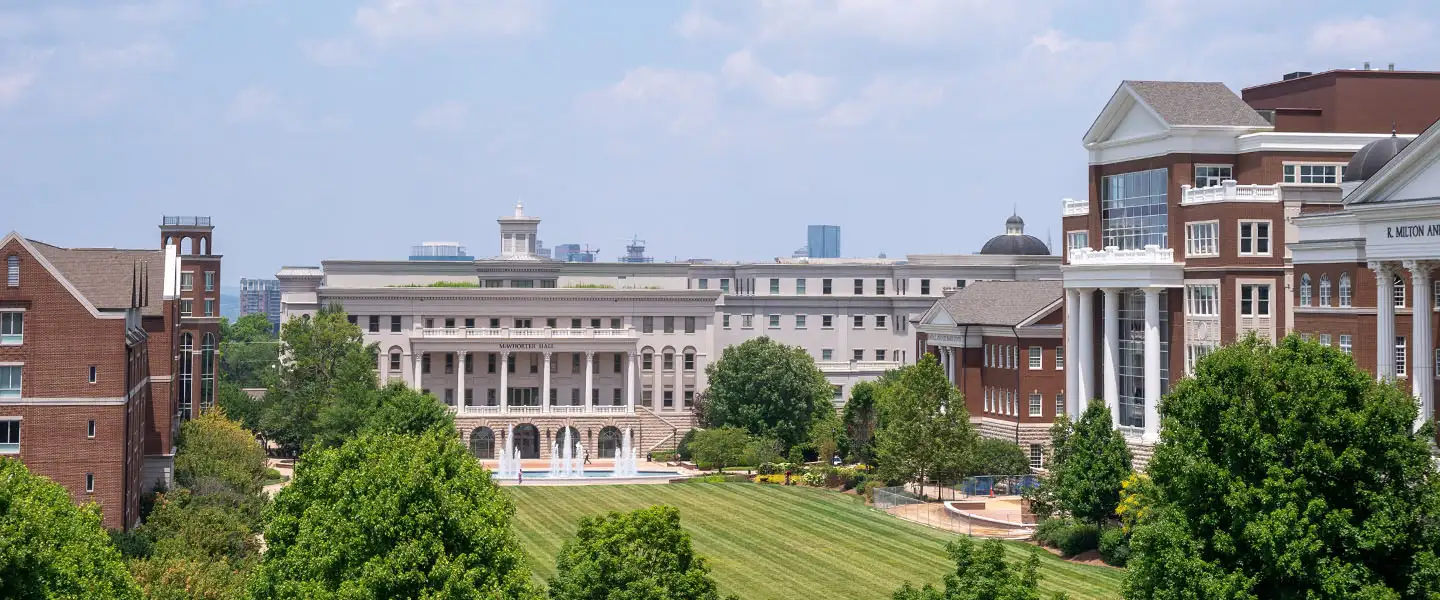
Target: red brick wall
point(1357, 101)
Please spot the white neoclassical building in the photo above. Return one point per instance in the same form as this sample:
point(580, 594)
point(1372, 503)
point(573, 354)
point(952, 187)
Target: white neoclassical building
point(522, 341)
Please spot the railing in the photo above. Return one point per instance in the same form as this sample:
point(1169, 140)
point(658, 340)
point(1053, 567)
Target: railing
point(568, 409)
point(1112, 255)
point(1229, 191)
point(612, 409)
point(1074, 207)
point(185, 221)
point(508, 333)
point(563, 409)
point(859, 365)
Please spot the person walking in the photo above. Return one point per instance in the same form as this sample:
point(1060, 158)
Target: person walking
point(519, 475)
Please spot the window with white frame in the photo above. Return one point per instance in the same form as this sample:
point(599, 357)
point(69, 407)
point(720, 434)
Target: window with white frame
point(1400, 356)
point(1398, 286)
point(1344, 290)
point(747, 321)
point(1437, 362)
point(12, 271)
point(987, 355)
point(1324, 289)
point(987, 399)
point(1202, 239)
point(774, 285)
point(1435, 293)
point(187, 307)
point(879, 321)
point(209, 281)
point(859, 321)
point(1036, 358)
point(774, 322)
point(1196, 351)
point(1255, 300)
point(1035, 401)
point(10, 436)
point(1345, 343)
point(89, 483)
point(799, 321)
point(857, 355)
point(1254, 238)
point(1212, 175)
point(1202, 300)
point(187, 281)
point(1330, 173)
point(725, 321)
point(1037, 456)
point(880, 355)
point(1324, 339)
point(827, 321)
point(1059, 403)
point(827, 354)
point(800, 286)
point(1305, 289)
point(10, 381)
point(12, 328)
point(1059, 358)
point(1077, 239)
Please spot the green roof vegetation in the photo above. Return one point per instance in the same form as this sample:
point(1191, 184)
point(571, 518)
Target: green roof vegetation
point(440, 284)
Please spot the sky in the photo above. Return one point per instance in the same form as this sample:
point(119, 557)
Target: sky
point(716, 129)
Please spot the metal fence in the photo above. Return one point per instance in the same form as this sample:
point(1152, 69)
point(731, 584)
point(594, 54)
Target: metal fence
point(972, 514)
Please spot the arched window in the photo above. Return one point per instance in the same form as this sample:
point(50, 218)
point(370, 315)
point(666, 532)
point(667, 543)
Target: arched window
point(1399, 285)
point(610, 442)
point(482, 443)
point(1324, 290)
point(187, 370)
point(1305, 290)
point(207, 373)
point(1344, 290)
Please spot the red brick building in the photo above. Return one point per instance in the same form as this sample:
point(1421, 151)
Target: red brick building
point(90, 347)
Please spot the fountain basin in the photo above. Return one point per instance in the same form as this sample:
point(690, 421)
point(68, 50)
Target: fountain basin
point(590, 477)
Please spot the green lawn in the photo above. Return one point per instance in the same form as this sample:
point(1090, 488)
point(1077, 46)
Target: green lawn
point(766, 541)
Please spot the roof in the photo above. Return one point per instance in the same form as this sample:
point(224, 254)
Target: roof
point(1196, 104)
point(1403, 167)
point(105, 275)
point(1015, 244)
point(1373, 156)
point(1003, 303)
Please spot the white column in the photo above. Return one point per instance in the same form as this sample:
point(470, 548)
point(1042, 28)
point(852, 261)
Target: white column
point(1111, 367)
point(1072, 371)
point(945, 363)
point(1384, 321)
point(505, 381)
point(657, 396)
point(630, 381)
point(419, 358)
point(589, 377)
point(545, 383)
point(1152, 364)
point(1422, 353)
point(460, 379)
point(1085, 337)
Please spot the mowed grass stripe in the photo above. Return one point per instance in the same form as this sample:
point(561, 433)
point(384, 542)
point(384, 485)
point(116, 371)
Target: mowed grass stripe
point(782, 542)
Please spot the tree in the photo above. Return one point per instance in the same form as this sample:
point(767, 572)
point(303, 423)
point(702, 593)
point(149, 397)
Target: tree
point(768, 389)
point(51, 548)
point(391, 516)
point(998, 457)
point(215, 451)
point(403, 410)
point(924, 431)
point(1287, 472)
point(238, 405)
point(719, 448)
point(859, 420)
point(827, 435)
point(248, 351)
point(981, 573)
point(640, 555)
point(326, 362)
point(1089, 463)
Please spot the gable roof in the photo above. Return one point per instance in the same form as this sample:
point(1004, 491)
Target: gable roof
point(1176, 104)
point(1404, 167)
point(1002, 303)
point(106, 276)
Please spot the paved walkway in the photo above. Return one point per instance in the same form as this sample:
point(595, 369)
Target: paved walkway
point(286, 467)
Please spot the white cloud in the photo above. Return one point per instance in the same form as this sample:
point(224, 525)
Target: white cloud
point(795, 90)
point(446, 116)
point(888, 98)
point(332, 53)
point(396, 20)
point(253, 104)
point(1361, 38)
point(907, 23)
point(13, 86)
point(144, 54)
point(697, 24)
point(679, 101)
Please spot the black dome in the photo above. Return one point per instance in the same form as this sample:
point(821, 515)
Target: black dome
point(1014, 241)
point(1370, 158)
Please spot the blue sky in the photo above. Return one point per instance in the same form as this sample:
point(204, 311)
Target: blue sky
point(326, 129)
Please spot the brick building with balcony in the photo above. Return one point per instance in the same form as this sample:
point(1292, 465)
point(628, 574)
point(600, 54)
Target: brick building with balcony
point(1196, 193)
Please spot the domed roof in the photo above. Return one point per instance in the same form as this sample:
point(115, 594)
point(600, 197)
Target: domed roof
point(1371, 157)
point(1014, 241)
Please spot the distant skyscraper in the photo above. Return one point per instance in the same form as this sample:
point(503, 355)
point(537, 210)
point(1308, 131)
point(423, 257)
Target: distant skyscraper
point(261, 296)
point(635, 252)
point(439, 251)
point(824, 241)
point(573, 253)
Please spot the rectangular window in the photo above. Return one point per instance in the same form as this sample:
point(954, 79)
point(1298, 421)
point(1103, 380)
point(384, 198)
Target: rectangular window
point(209, 281)
point(1324, 339)
point(859, 321)
point(89, 483)
point(669, 324)
point(647, 324)
point(825, 286)
point(187, 308)
point(669, 362)
point(450, 396)
point(449, 363)
point(879, 321)
point(594, 323)
point(827, 354)
point(93, 375)
point(774, 321)
point(187, 281)
point(574, 362)
point(425, 364)
point(747, 321)
point(799, 321)
point(880, 355)
point(1035, 403)
point(1211, 175)
point(857, 355)
point(827, 321)
point(1036, 358)
point(689, 325)
point(10, 436)
point(394, 362)
point(1077, 239)
point(724, 286)
point(1254, 238)
point(1313, 173)
point(669, 398)
point(647, 361)
point(1037, 456)
point(354, 320)
point(374, 324)
point(1202, 239)
point(574, 323)
point(1059, 403)
point(725, 321)
point(1398, 286)
point(924, 287)
point(615, 323)
point(1255, 300)
point(1202, 300)
point(859, 287)
point(703, 283)
point(618, 363)
point(837, 392)
point(689, 361)
point(1400, 356)
point(12, 328)
point(12, 271)
point(510, 363)
point(879, 287)
point(774, 286)
point(987, 355)
point(1059, 358)
point(395, 323)
point(494, 323)
point(800, 286)
point(1345, 343)
point(1134, 212)
point(689, 398)
point(90, 429)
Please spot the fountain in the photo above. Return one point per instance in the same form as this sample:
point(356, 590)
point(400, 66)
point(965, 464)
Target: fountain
point(509, 457)
point(563, 462)
point(625, 459)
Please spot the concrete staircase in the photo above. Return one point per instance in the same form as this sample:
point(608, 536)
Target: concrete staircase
point(661, 432)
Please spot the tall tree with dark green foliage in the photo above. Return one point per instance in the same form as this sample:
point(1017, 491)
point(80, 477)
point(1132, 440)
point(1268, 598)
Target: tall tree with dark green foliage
point(767, 388)
point(924, 432)
point(326, 362)
point(249, 351)
point(1089, 461)
point(51, 548)
point(981, 573)
point(1286, 472)
point(997, 457)
point(859, 419)
point(392, 516)
point(640, 555)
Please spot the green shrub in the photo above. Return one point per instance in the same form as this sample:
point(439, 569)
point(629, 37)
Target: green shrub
point(662, 455)
point(1083, 537)
point(870, 487)
point(796, 455)
point(1049, 531)
point(1114, 546)
point(683, 450)
point(768, 468)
